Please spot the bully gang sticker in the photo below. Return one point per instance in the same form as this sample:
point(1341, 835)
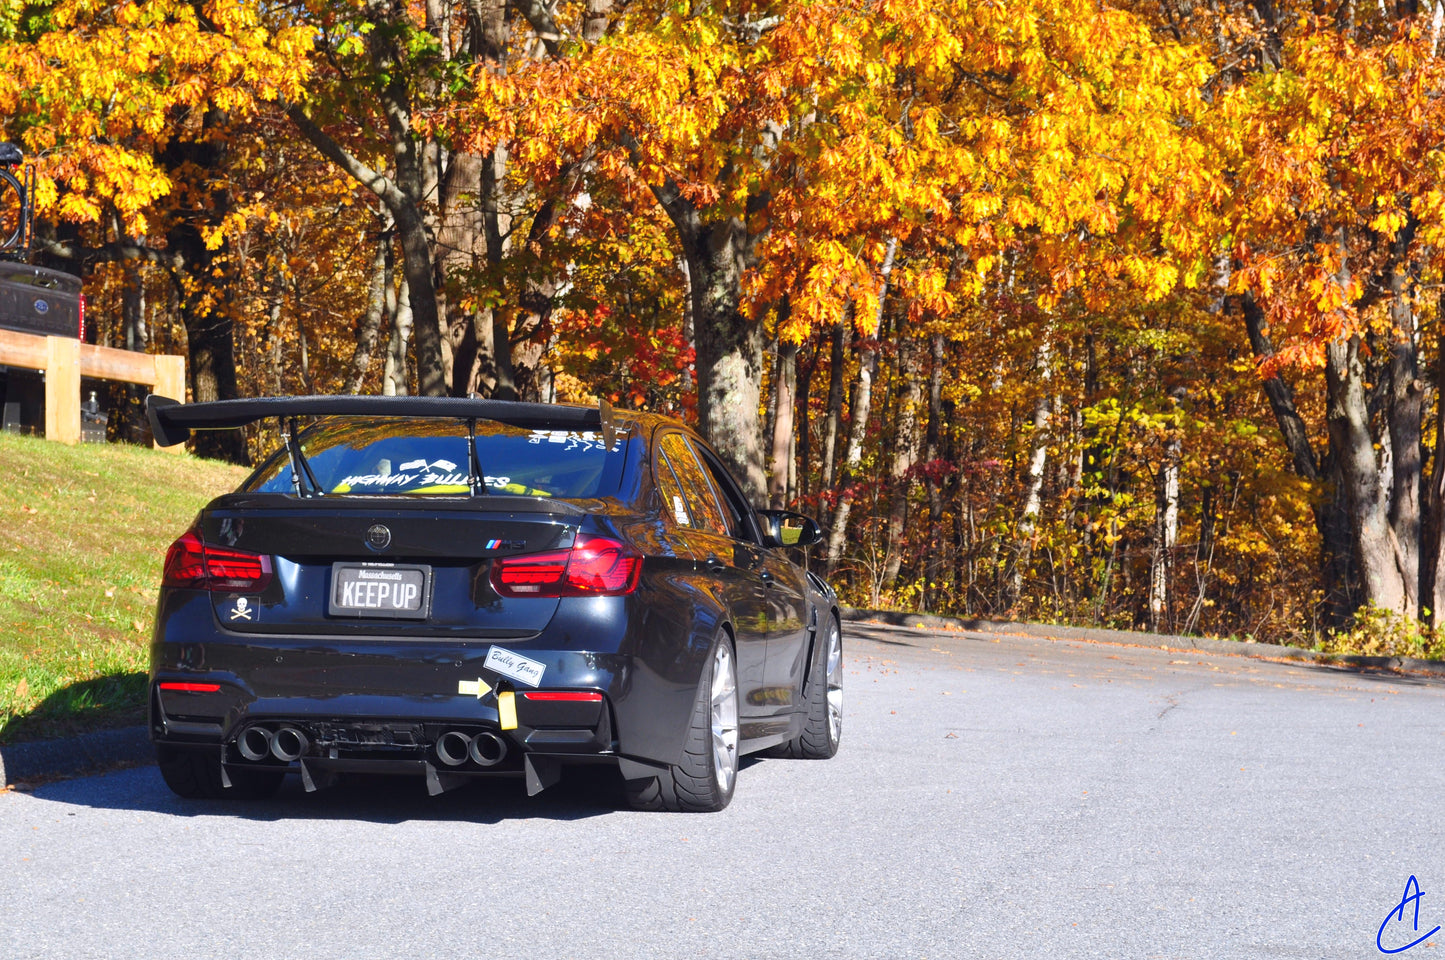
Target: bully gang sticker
point(514, 666)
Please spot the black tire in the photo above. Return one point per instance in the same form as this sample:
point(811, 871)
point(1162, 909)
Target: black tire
point(819, 739)
point(195, 774)
point(694, 785)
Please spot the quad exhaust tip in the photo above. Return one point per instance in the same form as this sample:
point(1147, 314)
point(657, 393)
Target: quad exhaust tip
point(255, 743)
point(452, 748)
point(288, 744)
point(486, 749)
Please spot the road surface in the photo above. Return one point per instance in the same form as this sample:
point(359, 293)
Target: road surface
point(995, 797)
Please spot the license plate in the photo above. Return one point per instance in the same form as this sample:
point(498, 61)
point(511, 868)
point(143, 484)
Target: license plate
point(380, 590)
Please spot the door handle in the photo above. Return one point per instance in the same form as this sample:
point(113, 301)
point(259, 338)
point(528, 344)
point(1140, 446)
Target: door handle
point(713, 564)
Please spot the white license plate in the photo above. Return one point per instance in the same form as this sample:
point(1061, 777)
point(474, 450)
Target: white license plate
point(380, 590)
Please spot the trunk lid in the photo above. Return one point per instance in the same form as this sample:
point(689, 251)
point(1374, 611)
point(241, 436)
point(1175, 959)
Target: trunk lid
point(339, 566)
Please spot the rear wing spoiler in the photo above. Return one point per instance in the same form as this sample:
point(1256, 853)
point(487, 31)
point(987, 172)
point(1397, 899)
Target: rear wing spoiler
point(172, 421)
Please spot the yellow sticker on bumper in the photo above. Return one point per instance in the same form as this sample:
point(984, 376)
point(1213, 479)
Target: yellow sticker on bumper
point(478, 687)
point(507, 709)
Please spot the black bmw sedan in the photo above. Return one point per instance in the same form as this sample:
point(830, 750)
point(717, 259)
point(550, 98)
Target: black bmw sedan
point(452, 588)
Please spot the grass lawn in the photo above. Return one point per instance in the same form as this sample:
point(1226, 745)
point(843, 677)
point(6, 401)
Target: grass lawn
point(83, 531)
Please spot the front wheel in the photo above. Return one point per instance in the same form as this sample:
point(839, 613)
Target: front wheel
point(703, 782)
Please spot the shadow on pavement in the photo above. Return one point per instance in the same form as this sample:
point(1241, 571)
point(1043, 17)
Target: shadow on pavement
point(583, 792)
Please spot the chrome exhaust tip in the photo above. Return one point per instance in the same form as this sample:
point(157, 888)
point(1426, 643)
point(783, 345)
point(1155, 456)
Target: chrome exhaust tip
point(487, 749)
point(452, 748)
point(288, 744)
point(255, 743)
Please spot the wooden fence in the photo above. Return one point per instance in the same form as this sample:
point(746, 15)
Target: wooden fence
point(64, 360)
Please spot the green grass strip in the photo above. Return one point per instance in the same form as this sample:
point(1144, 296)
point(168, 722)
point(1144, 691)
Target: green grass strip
point(83, 532)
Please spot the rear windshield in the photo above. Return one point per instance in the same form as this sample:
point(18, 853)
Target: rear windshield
point(394, 457)
point(32, 277)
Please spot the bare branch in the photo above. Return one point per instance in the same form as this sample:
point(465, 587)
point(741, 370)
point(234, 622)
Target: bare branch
point(375, 181)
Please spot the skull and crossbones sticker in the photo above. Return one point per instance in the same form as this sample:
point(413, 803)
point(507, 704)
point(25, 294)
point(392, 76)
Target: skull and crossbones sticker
point(242, 610)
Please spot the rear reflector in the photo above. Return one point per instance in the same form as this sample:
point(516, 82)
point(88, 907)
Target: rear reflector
point(564, 695)
point(594, 567)
point(203, 566)
point(192, 687)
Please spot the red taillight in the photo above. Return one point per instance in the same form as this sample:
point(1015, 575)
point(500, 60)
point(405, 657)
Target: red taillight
point(594, 567)
point(571, 696)
point(81, 334)
point(192, 687)
point(203, 566)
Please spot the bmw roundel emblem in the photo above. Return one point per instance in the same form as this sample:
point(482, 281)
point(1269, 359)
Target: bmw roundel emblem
point(42, 306)
point(378, 537)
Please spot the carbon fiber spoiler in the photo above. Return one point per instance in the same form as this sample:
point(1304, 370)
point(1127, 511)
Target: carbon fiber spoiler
point(172, 421)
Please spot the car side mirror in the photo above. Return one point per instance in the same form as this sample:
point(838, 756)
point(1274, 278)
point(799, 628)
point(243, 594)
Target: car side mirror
point(784, 528)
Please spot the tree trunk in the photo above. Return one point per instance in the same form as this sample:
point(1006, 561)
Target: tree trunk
point(905, 455)
point(804, 442)
point(1166, 534)
point(933, 564)
point(370, 324)
point(783, 390)
point(405, 195)
point(857, 431)
point(1389, 581)
point(729, 345)
point(1038, 461)
point(496, 227)
point(209, 328)
point(1432, 590)
point(837, 373)
point(395, 382)
point(1331, 512)
point(137, 339)
point(1404, 410)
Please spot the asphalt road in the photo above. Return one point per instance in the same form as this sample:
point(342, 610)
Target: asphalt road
point(995, 797)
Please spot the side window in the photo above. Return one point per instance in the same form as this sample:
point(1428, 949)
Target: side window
point(700, 501)
point(728, 494)
point(729, 512)
point(673, 503)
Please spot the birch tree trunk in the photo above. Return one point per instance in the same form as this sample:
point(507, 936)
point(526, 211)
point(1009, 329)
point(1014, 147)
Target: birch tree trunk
point(370, 323)
point(837, 373)
point(395, 381)
point(1166, 533)
point(1038, 461)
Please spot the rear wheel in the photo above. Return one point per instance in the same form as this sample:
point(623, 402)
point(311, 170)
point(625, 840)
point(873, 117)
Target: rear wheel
point(823, 697)
point(196, 775)
point(703, 782)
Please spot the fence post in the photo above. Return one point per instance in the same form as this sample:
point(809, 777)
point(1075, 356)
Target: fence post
point(171, 382)
point(62, 389)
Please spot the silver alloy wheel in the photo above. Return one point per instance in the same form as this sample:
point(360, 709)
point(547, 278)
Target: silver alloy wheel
point(724, 717)
point(835, 683)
